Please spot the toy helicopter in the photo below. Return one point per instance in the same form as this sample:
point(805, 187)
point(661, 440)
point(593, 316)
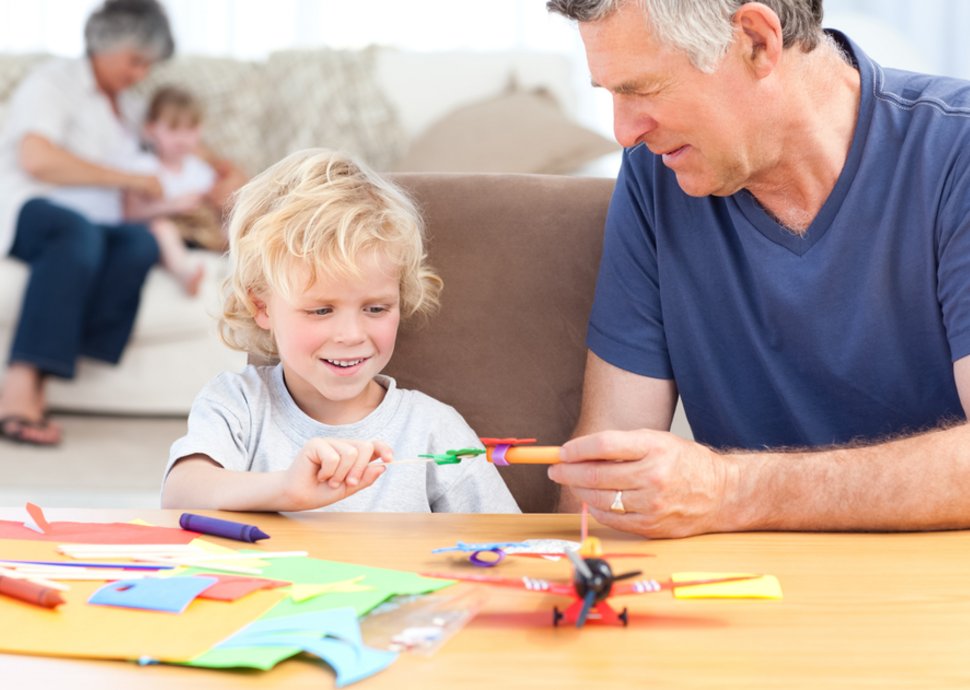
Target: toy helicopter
point(593, 583)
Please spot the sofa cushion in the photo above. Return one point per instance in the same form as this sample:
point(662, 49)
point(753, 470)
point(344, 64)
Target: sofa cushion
point(519, 256)
point(255, 113)
point(232, 108)
point(328, 98)
point(513, 132)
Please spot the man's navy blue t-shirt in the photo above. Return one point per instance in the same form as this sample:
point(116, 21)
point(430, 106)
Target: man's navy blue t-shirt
point(848, 333)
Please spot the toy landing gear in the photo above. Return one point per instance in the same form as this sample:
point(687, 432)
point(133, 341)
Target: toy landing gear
point(602, 613)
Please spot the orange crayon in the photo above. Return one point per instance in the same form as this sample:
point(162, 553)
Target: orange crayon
point(30, 592)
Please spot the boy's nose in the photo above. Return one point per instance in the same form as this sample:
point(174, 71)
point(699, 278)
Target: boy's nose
point(349, 329)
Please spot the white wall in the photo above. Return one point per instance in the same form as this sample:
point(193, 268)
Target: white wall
point(925, 35)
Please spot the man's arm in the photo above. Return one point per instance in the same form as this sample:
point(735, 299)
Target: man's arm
point(674, 488)
point(614, 398)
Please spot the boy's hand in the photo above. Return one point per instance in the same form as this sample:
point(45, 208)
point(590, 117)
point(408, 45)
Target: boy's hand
point(327, 470)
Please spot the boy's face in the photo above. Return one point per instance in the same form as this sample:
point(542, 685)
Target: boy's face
point(173, 138)
point(334, 338)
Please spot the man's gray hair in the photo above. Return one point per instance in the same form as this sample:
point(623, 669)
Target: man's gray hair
point(702, 28)
point(141, 24)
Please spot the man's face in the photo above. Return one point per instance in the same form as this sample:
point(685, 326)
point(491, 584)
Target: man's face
point(698, 122)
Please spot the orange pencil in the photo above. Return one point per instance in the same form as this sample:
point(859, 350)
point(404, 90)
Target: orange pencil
point(30, 592)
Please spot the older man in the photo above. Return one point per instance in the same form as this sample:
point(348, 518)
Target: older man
point(788, 249)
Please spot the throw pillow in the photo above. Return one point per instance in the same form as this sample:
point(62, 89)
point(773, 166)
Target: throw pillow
point(329, 98)
point(513, 132)
point(231, 101)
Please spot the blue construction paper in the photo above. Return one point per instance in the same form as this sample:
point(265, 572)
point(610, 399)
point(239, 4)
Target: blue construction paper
point(350, 662)
point(171, 594)
point(341, 623)
point(333, 635)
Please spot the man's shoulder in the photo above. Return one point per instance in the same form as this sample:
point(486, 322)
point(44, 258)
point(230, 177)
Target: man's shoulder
point(914, 90)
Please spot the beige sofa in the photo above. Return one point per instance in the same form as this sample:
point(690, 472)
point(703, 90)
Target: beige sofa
point(395, 110)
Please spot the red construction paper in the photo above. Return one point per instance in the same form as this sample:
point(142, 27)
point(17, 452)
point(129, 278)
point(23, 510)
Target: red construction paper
point(232, 587)
point(98, 533)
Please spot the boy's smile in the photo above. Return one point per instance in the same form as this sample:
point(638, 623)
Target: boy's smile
point(335, 337)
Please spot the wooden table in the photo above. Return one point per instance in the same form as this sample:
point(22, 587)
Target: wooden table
point(859, 611)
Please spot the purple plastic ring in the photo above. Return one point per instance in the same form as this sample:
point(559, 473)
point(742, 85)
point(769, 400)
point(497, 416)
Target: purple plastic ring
point(498, 454)
point(476, 559)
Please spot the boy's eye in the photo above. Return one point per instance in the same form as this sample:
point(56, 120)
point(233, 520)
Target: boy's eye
point(322, 311)
point(376, 309)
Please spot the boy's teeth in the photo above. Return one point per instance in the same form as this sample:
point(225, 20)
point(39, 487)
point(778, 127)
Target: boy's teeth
point(345, 362)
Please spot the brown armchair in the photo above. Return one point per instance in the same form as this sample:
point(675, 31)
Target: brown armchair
point(519, 256)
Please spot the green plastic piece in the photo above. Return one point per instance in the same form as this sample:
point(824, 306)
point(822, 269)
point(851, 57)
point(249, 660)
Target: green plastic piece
point(453, 457)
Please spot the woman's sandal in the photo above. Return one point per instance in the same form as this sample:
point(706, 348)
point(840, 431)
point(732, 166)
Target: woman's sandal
point(12, 428)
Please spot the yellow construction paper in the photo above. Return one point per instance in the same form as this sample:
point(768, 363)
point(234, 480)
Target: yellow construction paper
point(214, 549)
point(79, 629)
point(302, 592)
point(211, 547)
point(763, 587)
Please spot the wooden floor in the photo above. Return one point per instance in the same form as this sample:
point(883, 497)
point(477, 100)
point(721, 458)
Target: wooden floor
point(103, 462)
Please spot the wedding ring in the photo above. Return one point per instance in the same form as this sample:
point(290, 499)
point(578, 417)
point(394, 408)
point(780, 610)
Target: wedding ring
point(617, 505)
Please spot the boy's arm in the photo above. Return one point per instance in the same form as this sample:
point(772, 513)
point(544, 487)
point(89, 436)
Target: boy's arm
point(140, 208)
point(229, 177)
point(323, 472)
point(198, 481)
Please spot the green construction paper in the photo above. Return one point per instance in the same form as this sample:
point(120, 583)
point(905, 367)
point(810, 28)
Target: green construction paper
point(384, 584)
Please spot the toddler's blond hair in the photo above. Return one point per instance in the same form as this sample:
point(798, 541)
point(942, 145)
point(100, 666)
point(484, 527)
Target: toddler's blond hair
point(317, 213)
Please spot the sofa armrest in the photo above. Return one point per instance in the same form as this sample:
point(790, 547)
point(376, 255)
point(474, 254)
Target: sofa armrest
point(519, 256)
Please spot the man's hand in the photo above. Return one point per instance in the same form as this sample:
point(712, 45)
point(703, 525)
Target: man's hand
point(670, 487)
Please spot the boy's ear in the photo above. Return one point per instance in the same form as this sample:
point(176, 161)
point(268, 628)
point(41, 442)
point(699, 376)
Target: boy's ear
point(260, 313)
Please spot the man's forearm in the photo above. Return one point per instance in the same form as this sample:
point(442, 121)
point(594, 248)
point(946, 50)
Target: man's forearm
point(915, 483)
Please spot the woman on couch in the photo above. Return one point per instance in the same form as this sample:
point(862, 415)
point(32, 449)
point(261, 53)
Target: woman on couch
point(71, 126)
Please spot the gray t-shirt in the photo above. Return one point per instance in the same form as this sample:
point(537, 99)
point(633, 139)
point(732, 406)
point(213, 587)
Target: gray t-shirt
point(249, 422)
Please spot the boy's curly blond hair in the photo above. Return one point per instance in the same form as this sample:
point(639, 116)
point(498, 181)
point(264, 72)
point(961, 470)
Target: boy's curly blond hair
point(317, 212)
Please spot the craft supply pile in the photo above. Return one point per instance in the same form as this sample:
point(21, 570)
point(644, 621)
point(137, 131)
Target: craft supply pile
point(156, 594)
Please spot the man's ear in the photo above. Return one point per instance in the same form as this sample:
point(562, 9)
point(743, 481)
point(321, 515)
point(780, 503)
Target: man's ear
point(260, 313)
point(760, 36)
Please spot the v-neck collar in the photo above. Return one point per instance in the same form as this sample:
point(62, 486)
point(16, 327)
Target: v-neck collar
point(766, 224)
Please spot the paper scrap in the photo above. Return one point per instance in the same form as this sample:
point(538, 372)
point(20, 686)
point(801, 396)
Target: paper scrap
point(171, 594)
point(302, 592)
point(764, 587)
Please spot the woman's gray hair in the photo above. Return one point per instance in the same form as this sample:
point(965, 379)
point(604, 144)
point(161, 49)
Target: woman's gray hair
point(141, 24)
point(702, 28)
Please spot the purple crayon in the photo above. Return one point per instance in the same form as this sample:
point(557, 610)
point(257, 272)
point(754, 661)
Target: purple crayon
point(221, 528)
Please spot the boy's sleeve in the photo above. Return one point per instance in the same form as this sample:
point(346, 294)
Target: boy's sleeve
point(216, 429)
